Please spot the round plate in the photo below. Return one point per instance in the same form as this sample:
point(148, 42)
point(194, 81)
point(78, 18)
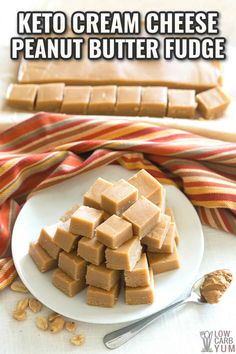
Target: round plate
point(46, 207)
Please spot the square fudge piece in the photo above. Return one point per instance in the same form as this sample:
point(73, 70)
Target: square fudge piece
point(40, 257)
point(101, 297)
point(139, 276)
point(163, 262)
point(49, 97)
point(143, 215)
point(85, 220)
point(102, 277)
point(72, 265)
point(92, 197)
point(162, 202)
point(46, 241)
point(157, 236)
point(125, 257)
point(64, 238)
point(91, 250)
point(153, 101)
point(169, 242)
point(69, 212)
point(128, 100)
point(147, 186)
point(181, 103)
point(117, 198)
point(141, 294)
point(170, 212)
point(76, 99)
point(103, 100)
point(21, 96)
point(114, 232)
point(66, 284)
point(212, 103)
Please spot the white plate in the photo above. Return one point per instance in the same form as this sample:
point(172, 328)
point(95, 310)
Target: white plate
point(48, 205)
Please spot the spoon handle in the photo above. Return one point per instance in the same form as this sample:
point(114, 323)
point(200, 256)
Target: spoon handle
point(115, 339)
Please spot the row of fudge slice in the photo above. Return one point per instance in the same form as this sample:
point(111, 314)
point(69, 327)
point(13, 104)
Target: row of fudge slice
point(153, 101)
point(93, 245)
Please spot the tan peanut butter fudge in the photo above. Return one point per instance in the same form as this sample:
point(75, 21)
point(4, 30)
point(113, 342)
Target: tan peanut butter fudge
point(46, 241)
point(117, 198)
point(114, 232)
point(64, 238)
point(92, 197)
point(128, 100)
point(142, 294)
point(72, 265)
point(139, 276)
point(76, 99)
point(69, 212)
point(91, 250)
point(101, 297)
point(163, 262)
point(169, 242)
point(156, 237)
point(85, 220)
point(43, 261)
point(153, 101)
point(212, 103)
point(106, 216)
point(170, 212)
point(181, 103)
point(102, 277)
point(21, 96)
point(126, 256)
point(66, 284)
point(162, 202)
point(102, 100)
point(143, 215)
point(147, 186)
point(49, 97)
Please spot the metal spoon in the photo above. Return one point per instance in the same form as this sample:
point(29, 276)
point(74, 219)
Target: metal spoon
point(115, 339)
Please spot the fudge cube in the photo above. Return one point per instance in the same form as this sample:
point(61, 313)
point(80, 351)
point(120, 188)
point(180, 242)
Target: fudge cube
point(181, 103)
point(163, 262)
point(69, 213)
point(117, 198)
point(102, 277)
point(40, 257)
point(21, 96)
point(157, 236)
point(101, 297)
point(92, 197)
point(103, 100)
point(46, 241)
point(72, 265)
point(139, 276)
point(85, 220)
point(147, 186)
point(162, 202)
point(153, 101)
point(168, 244)
point(64, 238)
point(128, 100)
point(170, 212)
point(114, 232)
point(142, 294)
point(91, 250)
point(49, 97)
point(125, 257)
point(66, 284)
point(143, 215)
point(212, 103)
point(76, 99)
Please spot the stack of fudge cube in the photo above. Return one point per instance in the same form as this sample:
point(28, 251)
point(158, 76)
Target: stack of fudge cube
point(122, 234)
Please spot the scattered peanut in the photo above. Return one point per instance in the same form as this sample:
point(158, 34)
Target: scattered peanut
point(22, 304)
point(77, 339)
point(52, 316)
point(35, 305)
point(42, 323)
point(19, 315)
point(70, 326)
point(19, 287)
point(57, 325)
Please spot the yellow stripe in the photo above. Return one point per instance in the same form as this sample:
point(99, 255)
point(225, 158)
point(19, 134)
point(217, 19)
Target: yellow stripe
point(8, 164)
point(210, 189)
point(216, 204)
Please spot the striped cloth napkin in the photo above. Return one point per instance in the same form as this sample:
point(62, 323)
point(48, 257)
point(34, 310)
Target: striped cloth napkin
point(49, 148)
